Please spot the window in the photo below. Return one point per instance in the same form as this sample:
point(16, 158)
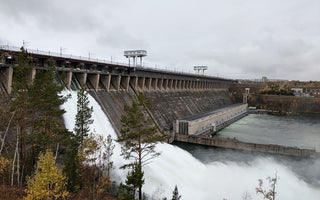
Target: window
point(183, 128)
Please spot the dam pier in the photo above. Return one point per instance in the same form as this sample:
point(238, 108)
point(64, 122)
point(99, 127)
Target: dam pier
point(187, 107)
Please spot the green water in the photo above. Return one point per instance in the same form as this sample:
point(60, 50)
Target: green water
point(302, 132)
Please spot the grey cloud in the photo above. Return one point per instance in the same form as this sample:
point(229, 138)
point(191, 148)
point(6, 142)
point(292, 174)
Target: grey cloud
point(119, 37)
point(234, 38)
point(57, 15)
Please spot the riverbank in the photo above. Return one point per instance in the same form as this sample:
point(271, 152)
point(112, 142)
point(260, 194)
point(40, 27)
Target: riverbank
point(296, 105)
point(253, 110)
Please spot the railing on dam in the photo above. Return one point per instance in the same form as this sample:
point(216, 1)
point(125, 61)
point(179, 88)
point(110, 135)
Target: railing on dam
point(103, 61)
point(60, 55)
point(211, 130)
point(103, 75)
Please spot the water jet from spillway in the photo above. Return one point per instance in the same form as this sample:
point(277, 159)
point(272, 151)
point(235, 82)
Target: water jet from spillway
point(195, 179)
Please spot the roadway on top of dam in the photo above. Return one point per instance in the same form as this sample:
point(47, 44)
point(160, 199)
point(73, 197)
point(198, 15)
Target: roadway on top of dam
point(199, 116)
point(90, 65)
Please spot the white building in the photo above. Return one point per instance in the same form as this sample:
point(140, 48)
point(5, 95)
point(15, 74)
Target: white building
point(297, 91)
point(205, 122)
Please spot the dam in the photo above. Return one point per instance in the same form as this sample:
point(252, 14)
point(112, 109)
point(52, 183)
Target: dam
point(175, 95)
point(201, 103)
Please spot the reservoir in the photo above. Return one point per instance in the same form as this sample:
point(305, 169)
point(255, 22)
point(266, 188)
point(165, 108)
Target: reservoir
point(302, 132)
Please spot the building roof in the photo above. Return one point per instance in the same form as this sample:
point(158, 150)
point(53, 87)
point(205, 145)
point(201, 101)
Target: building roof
point(195, 117)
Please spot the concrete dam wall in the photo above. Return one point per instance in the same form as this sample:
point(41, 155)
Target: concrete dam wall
point(113, 103)
point(167, 106)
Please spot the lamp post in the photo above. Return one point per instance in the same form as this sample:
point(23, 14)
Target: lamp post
point(61, 50)
point(200, 68)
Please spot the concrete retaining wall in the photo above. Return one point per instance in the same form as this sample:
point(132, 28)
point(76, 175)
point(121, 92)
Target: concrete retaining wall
point(236, 144)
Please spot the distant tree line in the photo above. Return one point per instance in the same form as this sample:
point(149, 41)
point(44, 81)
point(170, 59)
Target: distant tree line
point(286, 104)
point(277, 91)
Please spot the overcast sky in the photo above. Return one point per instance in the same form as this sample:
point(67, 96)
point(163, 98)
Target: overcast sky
point(279, 39)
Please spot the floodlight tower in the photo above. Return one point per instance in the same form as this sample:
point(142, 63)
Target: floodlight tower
point(135, 54)
point(199, 68)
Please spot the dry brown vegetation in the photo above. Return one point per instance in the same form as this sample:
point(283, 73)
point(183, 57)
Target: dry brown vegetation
point(294, 105)
point(7, 192)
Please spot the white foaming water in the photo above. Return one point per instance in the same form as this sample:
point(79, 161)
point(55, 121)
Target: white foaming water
point(196, 180)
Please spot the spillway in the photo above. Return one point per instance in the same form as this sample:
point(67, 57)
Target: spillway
point(195, 179)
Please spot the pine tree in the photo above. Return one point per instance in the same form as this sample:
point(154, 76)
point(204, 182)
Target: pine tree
point(47, 129)
point(74, 162)
point(37, 113)
point(125, 192)
point(46, 99)
point(48, 181)
point(175, 194)
point(135, 177)
point(134, 181)
point(83, 117)
point(109, 147)
point(21, 107)
point(139, 135)
point(22, 71)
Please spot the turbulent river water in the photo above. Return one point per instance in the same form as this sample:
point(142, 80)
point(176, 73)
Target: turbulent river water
point(208, 173)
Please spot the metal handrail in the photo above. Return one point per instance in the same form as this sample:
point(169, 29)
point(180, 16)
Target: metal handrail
point(69, 56)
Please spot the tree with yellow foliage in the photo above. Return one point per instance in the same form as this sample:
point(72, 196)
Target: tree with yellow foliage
point(48, 181)
point(4, 169)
